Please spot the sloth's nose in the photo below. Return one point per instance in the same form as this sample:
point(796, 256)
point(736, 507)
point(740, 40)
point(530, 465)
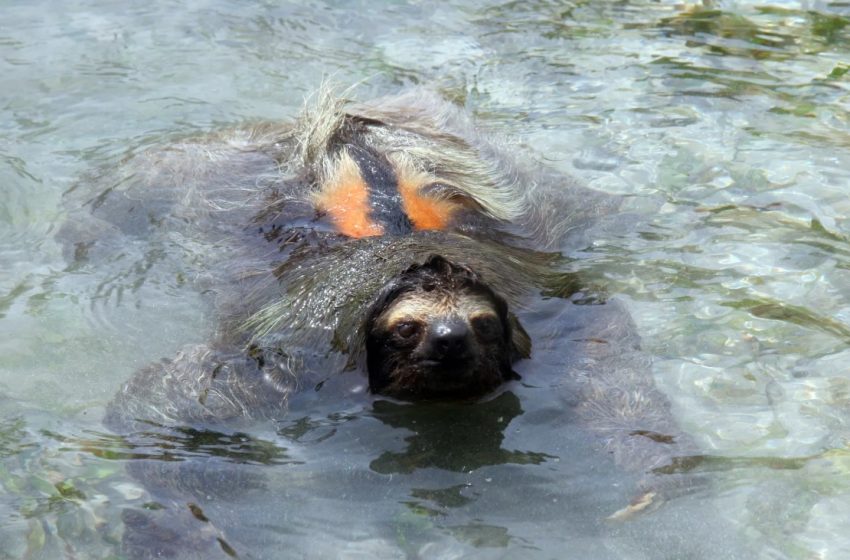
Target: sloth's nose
point(448, 341)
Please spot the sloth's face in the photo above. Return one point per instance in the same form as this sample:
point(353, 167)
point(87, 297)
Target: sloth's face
point(438, 331)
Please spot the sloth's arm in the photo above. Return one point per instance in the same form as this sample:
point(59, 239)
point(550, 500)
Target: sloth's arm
point(201, 387)
point(608, 381)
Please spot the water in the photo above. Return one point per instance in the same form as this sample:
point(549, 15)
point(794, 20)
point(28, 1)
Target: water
point(734, 115)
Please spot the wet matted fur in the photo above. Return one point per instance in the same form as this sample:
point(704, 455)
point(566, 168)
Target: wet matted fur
point(292, 294)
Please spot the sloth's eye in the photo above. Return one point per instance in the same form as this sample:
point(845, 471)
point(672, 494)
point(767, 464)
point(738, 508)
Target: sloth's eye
point(407, 329)
point(487, 327)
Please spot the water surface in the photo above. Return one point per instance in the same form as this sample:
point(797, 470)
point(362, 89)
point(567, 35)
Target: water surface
point(733, 114)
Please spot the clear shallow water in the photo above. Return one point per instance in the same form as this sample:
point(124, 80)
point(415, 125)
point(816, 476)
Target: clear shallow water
point(735, 115)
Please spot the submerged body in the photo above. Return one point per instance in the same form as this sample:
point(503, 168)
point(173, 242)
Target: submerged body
point(389, 241)
point(396, 181)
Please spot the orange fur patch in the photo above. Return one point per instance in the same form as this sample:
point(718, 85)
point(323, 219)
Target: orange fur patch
point(345, 198)
point(424, 212)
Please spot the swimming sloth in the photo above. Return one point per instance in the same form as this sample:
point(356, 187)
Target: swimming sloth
point(388, 244)
point(392, 233)
point(389, 239)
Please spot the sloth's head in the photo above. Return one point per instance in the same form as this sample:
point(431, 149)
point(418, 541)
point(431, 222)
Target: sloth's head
point(438, 330)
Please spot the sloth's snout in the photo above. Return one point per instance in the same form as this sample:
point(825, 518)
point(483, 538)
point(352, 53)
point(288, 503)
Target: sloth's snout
point(448, 342)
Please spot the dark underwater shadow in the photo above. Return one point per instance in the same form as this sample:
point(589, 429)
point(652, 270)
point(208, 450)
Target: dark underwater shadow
point(451, 436)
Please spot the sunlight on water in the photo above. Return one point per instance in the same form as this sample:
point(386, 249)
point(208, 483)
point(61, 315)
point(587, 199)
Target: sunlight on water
point(728, 119)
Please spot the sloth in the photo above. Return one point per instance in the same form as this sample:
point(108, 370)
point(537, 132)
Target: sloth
point(392, 239)
point(394, 225)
